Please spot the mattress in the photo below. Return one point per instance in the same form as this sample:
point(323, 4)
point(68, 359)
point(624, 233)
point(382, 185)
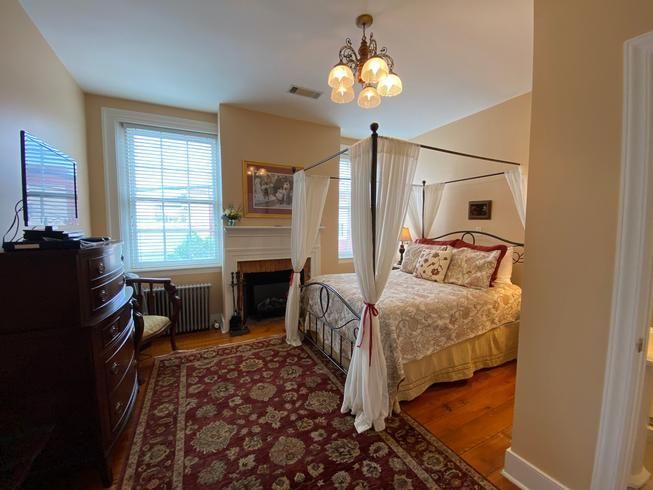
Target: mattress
point(418, 318)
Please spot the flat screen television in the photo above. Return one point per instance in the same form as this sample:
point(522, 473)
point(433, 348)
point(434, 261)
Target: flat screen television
point(49, 184)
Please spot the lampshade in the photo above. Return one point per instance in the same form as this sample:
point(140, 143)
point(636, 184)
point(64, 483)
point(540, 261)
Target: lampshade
point(404, 236)
point(374, 70)
point(389, 86)
point(369, 98)
point(342, 94)
point(341, 75)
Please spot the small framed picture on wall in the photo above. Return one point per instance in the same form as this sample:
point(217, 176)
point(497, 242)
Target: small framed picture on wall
point(479, 210)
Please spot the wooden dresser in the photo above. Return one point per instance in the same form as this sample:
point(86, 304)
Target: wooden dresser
point(67, 357)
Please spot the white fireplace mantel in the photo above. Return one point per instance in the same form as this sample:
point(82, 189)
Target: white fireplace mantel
point(256, 242)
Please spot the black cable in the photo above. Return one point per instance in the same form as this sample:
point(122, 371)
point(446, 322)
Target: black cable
point(15, 222)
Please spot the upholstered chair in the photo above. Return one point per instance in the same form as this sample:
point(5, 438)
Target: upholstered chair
point(150, 322)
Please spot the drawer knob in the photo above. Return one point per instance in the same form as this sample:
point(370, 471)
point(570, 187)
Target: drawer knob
point(102, 295)
point(100, 268)
point(117, 407)
point(114, 367)
point(113, 330)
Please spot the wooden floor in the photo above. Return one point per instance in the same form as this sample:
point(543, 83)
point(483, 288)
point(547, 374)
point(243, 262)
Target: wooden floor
point(474, 417)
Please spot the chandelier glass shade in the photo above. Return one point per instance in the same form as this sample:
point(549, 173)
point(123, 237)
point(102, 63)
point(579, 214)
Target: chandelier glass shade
point(389, 86)
point(342, 94)
point(369, 98)
point(374, 70)
point(371, 67)
point(341, 75)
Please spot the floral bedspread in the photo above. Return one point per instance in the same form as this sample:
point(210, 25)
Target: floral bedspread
point(418, 317)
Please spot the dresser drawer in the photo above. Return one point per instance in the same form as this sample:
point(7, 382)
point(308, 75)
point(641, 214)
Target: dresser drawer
point(115, 326)
point(121, 400)
point(103, 294)
point(105, 265)
point(117, 364)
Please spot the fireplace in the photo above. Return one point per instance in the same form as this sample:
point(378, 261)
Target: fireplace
point(264, 287)
point(265, 294)
point(258, 248)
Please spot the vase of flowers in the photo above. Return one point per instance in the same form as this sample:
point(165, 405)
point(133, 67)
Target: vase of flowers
point(231, 215)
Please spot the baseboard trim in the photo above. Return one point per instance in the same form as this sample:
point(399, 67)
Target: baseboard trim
point(527, 476)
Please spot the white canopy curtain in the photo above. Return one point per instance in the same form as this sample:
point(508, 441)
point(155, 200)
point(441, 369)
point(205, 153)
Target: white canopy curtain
point(366, 388)
point(432, 198)
point(309, 195)
point(517, 183)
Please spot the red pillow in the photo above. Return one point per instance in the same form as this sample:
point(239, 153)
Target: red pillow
point(428, 241)
point(482, 248)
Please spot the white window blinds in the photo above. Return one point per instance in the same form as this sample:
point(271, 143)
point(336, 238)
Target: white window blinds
point(171, 214)
point(344, 208)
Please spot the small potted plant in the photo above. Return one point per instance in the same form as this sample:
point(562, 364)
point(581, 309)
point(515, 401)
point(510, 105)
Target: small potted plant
point(232, 214)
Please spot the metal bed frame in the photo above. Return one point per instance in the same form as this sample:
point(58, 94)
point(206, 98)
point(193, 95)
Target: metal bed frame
point(313, 321)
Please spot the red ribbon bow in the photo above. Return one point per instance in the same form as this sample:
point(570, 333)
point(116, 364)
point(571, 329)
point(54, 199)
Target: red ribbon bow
point(369, 311)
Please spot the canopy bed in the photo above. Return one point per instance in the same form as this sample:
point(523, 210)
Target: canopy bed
point(393, 332)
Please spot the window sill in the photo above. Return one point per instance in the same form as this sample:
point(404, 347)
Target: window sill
point(186, 269)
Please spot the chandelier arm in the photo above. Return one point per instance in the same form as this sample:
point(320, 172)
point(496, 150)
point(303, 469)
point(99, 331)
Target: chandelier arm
point(372, 46)
point(348, 55)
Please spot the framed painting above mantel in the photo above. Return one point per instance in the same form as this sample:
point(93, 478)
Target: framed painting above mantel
point(267, 189)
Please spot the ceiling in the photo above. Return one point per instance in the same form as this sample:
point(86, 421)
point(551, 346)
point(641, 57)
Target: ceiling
point(455, 57)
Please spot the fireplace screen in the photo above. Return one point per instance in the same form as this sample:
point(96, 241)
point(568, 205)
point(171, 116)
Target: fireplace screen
point(265, 294)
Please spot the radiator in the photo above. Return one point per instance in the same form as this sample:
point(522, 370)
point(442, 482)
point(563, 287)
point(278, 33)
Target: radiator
point(195, 314)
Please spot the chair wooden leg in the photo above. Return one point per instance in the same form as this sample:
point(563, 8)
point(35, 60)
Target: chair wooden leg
point(173, 331)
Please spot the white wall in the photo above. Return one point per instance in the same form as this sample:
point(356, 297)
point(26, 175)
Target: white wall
point(571, 229)
point(37, 94)
point(503, 132)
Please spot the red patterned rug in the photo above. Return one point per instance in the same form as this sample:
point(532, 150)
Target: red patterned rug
point(263, 414)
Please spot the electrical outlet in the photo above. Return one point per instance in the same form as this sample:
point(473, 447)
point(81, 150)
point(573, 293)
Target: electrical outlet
point(478, 228)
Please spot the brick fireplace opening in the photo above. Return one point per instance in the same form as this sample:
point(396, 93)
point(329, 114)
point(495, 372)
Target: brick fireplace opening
point(264, 287)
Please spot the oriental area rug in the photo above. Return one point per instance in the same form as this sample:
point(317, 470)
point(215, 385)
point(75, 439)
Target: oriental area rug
point(263, 414)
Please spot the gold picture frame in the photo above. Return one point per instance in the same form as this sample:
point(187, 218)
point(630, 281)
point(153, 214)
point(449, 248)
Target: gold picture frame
point(479, 210)
point(267, 189)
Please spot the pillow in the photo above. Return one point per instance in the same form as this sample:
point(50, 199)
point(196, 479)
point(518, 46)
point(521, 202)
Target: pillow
point(433, 264)
point(504, 274)
point(472, 268)
point(501, 248)
point(428, 241)
point(411, 255)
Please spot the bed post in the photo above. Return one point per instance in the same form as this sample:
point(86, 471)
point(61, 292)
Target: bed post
point(374, 127)
point(423, 204)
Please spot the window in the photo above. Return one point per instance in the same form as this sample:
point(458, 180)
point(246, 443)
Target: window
point(169, 207)
point(344, 208)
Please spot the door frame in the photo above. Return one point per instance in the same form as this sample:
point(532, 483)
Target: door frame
point(633, 285)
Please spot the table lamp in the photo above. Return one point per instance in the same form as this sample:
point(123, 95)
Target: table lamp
point(404, 236)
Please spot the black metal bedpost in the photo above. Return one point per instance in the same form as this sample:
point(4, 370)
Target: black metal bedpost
point(374, 127)
point(423, 204)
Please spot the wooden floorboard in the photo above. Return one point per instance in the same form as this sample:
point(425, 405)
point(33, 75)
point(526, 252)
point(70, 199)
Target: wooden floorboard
point(472, 417)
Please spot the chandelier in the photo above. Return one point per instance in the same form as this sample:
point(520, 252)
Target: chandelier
point(373, 68)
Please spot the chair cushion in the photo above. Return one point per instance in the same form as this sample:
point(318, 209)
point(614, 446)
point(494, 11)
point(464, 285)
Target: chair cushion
point(153, 325)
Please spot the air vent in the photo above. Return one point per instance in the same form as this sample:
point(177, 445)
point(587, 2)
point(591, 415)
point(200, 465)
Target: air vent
point(305, 92)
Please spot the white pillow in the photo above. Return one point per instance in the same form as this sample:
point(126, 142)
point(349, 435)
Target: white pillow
point(472, 268)
point(412, 253)
point(504, 274)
